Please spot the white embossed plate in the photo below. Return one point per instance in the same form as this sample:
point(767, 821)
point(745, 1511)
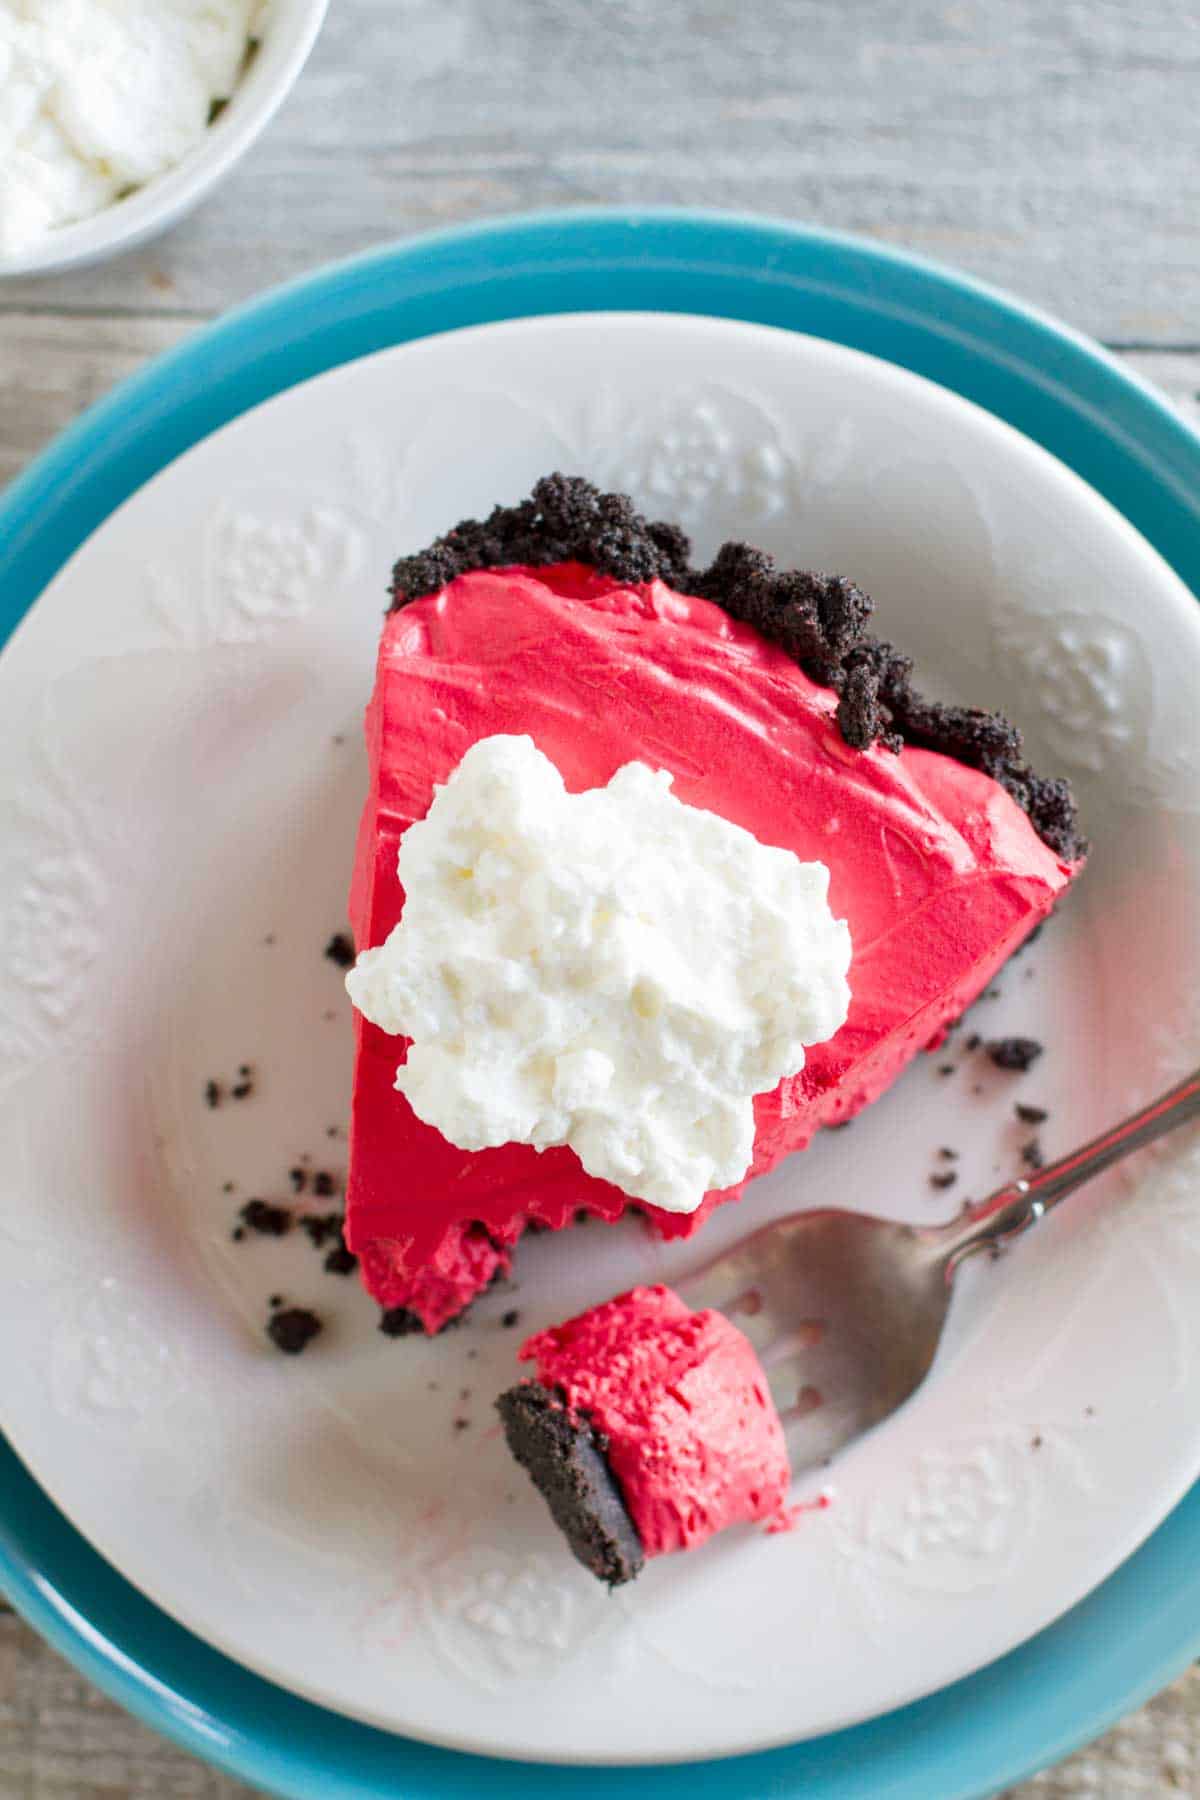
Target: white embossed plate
point(179, 780)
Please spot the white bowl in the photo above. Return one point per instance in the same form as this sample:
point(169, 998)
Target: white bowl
point(288, 34)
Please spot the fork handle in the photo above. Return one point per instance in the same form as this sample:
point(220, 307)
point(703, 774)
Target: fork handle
point(994, 1223)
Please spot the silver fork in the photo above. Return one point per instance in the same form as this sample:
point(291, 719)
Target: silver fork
point(846, 1310)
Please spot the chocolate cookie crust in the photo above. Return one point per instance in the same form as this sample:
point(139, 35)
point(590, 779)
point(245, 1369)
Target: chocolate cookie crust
point(819, 620)
point(567, 1465)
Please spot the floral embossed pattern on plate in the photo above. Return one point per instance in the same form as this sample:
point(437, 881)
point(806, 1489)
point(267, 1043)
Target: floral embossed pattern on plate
point(178, 800)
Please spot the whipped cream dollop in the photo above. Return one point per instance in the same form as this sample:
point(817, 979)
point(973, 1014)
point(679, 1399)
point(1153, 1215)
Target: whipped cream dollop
point(100, 96)
point(613, 970)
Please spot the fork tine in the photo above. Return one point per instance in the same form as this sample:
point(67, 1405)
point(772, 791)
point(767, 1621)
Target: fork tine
point(806, 1336)
point(806, 1401)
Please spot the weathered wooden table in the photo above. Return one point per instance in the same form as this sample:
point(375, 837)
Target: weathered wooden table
point(1046, 145)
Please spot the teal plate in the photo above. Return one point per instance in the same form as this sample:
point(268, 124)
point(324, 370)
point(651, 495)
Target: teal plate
point(1142, 1626)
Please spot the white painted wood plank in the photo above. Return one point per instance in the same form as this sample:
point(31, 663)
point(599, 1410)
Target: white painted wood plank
point(1048, 147)
point(52, 368)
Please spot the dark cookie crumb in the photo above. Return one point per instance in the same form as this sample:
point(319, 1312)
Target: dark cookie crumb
point(275, 1300)
point(510, 1318)
point(292, 1329)
point(943, 1178)
point(1030, 1115)
point(400, 1321)
point(947, 1154)
point(227, 1187)
point(331, 1131)
point(1035, 1443)
point(263, 1216)
point(238, 1233)
point(945, 1068)
point(1032, 1155)
point(244, 1086)
point(461, 1424)
point(341, 1260)
point(270, 938)
point(340, 950)
point(819, 620)
point(321, 1228)
point(212, 1094)
point(1016, 1053)
point(299, 1179)
point(324, 1184)
point(974, 1041)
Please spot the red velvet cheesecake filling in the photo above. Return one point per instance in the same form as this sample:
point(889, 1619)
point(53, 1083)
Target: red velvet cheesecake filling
point(465, 1262)
point(937, 871)
point(693, 1438)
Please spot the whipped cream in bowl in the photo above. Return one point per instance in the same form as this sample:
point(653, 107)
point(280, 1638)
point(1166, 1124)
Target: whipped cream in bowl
point(115, 119)
point(613, 970)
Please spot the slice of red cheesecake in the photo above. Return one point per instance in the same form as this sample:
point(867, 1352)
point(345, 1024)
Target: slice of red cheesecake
point(572, 620)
